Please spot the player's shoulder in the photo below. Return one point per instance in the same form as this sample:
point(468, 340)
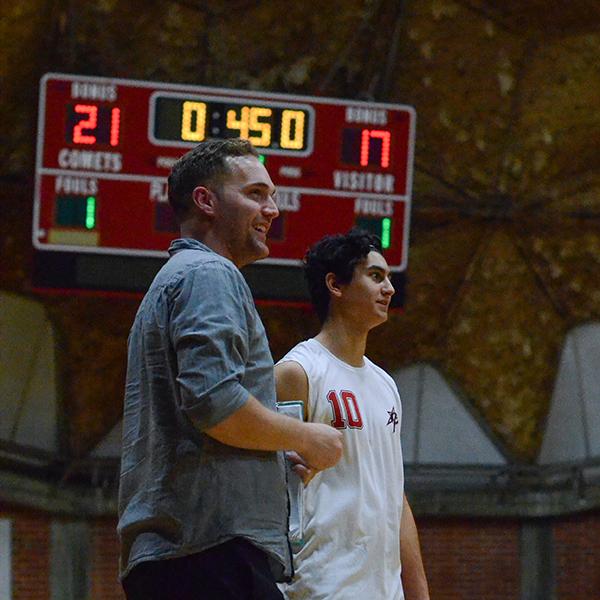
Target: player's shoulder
point(294, 371)
point(291, 381)
point(289, 367)
point(381, 374)
point(307, 350)
point(309, 354)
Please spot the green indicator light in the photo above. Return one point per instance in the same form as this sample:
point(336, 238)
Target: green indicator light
point(262, 158)
point(90, 212)
point(386, 233)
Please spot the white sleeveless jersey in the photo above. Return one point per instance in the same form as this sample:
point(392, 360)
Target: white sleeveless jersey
point(351, 512)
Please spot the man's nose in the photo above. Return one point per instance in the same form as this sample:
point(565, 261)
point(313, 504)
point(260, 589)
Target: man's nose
point(270, 208)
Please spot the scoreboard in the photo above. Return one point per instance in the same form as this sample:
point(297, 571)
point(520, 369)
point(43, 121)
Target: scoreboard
point(105, 148)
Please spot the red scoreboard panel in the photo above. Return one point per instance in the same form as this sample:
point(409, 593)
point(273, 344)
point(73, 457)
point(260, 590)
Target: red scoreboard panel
point(106, 146)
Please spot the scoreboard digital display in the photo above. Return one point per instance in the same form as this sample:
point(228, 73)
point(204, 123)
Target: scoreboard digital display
point(106, 146)
point(177, 120)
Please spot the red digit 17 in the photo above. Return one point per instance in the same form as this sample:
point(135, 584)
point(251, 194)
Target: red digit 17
point(345, 413)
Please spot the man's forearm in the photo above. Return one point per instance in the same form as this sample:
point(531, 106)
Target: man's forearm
point(414, 580)
point(255, 427)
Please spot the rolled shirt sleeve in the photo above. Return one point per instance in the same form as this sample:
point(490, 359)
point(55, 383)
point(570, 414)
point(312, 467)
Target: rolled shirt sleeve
point(209, 333)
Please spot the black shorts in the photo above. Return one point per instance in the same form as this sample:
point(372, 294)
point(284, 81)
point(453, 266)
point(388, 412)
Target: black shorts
point(234, 570)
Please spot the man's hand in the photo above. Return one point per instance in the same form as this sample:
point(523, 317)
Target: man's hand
point(299, 466)
point(321, 447)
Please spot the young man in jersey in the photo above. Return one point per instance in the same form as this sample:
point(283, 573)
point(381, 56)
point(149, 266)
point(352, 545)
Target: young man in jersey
point(359, 538)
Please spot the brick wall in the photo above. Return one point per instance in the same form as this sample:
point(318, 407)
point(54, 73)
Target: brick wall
point(471, 559)
point(466, 559)
point(31, 554)
point(105, 554)
point(577, 555)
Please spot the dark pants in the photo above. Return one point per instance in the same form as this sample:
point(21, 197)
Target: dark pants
point(234, 570)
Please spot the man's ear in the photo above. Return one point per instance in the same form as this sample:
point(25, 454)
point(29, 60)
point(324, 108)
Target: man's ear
point(332, 285)
point(204, 199)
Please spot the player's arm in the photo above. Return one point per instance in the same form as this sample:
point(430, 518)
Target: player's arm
point(292, 386)
point(414, 580)
point(292, 383)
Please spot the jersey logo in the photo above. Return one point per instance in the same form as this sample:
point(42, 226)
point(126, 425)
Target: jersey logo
point(393, 420)
point(346, 413)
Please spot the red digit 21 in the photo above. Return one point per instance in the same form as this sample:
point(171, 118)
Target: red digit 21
point(90, 125)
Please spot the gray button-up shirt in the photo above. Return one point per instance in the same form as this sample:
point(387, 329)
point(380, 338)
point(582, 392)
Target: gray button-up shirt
point(197, 348)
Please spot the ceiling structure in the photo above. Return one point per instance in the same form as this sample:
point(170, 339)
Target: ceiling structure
point(553, 18)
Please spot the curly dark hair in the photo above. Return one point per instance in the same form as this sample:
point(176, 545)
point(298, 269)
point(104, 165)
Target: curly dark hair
point(338, 254)
point(206, 164)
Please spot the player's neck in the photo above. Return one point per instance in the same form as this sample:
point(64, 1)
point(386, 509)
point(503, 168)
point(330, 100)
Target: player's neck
point(344, 341)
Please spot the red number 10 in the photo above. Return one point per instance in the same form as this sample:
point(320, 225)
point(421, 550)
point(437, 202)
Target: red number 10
point(345, 413)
